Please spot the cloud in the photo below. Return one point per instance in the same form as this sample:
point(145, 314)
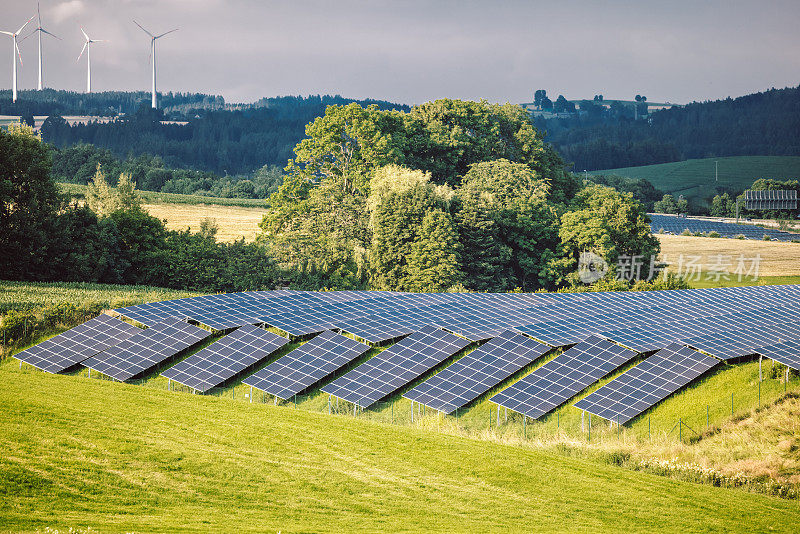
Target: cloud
point(68, 9)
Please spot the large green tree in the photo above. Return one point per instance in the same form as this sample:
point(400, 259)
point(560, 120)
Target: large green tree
point(400, 253)
point(434, 263)
point(29, 202)
point(524, 224)
point(611, 224)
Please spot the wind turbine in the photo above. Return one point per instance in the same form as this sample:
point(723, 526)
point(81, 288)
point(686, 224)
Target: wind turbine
point(87, 48)
point(39, 30)
point(14, 53)
point(154, 99)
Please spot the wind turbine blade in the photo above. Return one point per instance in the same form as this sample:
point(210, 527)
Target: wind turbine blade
point(165, 33)
point(8, 33)
point(50, 34)
point(82, 51)
point(18, 52)
point(23, 26)
point(145, 31)
point(84, 34)
point(33, 32)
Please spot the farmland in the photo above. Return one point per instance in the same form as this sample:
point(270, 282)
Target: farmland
point(233, 222)
point(694, 178)
point(777, 259)
point(127, 458)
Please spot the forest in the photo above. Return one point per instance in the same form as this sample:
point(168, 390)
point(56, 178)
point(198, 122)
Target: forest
point(765, 123)
point(237, 141)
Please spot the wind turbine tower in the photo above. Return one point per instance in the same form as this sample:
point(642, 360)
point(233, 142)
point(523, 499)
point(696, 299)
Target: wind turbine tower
point(87, 48)
point(14, 53)
point(154, 98)
point(39, 30)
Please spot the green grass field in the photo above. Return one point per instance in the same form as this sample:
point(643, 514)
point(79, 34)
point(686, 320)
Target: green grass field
point(694, 178)
point(21, 296)
point(120, 457)
point(79, 191)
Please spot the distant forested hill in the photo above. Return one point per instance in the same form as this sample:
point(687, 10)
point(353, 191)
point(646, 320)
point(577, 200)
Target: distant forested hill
point(230, 141)
point(761, 124)
point(106, 103)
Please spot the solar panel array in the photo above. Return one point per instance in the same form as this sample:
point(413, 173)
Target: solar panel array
point(211, 366)
point(146, 349)
point(673, 224)
point(477, 372)
point(726, 323)
point(563, 377)
point(647, 384)
point(307, 365)
point(69, 348)
point(770, 199)
point(396, 366)
point(787, 353)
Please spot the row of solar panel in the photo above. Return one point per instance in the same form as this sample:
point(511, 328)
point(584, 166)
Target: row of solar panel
point(457, 385)
point(378, 318)
point(677, 225)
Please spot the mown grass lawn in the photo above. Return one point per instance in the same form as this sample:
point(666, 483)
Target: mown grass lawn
point(120, 457)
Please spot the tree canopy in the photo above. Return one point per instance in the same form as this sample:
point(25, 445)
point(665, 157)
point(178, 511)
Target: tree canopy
point(450, 194)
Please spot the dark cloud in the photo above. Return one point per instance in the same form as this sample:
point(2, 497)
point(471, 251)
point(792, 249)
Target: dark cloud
point(414, 51)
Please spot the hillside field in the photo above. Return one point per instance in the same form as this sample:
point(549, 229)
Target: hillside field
point(120, 457)
point(694, 178)
point(779, 262)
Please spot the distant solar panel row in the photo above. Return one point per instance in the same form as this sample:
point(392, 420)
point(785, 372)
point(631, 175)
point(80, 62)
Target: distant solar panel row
point(647, 384)
point(224, 359)
point(676, 225)
point(558, 319)
point(477, 372)
point(146, 349)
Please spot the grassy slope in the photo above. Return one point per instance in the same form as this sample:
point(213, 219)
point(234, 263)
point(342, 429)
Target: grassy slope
point(695, 177)
point(120, 457)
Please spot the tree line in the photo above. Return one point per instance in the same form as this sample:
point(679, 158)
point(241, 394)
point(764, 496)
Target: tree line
point(450, 195)
point(227, 142)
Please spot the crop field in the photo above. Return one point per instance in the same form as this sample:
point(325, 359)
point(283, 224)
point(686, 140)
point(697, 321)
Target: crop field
point(233, 222)
point(777, 259)
point(694, 178)
point(21, 296)
point(120, 457)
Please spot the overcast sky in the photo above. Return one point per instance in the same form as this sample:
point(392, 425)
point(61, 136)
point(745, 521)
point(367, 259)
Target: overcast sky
point(415, 51)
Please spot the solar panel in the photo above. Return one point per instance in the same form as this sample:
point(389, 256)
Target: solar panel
point(787, 353)
point(308, 364)
point(146, 349)
point(224, 359)
point(731, 344)
point(77, 344)
point(647, 384)
point(560, 379)
point(477, 372)
point(396, 367)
